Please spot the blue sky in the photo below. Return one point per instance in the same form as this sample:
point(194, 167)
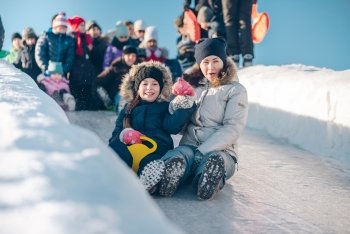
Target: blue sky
point(309, 32)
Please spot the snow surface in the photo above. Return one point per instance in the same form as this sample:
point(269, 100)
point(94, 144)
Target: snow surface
point(59, 178)
point(306, 106)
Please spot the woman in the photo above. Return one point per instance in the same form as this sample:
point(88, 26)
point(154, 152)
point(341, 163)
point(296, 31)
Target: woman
point(207, 151)
point(83, 73)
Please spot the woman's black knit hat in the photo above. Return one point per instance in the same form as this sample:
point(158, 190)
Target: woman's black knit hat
point(210, 46)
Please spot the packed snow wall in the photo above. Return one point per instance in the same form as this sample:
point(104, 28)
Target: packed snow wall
point(306, 106)
point(56, 177)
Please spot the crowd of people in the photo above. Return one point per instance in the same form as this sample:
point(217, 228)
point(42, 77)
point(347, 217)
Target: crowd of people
point(198, 96)
point(92, 64)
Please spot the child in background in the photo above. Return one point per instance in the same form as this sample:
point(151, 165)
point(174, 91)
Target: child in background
point(148, 119)
point(16, 40)
point(109, 80)
point(55, 45)
point(26, 58)
point(55, 85)
point(150, 44)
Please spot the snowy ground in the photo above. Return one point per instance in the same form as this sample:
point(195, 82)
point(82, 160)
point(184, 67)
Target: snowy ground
point(277, 189)
point(56, 177)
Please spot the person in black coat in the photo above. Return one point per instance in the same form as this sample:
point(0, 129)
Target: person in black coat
point(99, 44)
point(83, 73)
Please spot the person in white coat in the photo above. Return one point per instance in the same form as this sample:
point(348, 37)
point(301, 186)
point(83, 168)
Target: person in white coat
point(207, 151)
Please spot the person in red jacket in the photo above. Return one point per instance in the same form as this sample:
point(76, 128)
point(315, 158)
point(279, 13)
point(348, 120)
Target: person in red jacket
point(83, 73)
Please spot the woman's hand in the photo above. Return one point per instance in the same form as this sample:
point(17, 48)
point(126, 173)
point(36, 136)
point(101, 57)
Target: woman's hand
point(182, 87)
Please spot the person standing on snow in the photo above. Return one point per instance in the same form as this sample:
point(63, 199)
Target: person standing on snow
point(26, 58)
point(16, 40)
point(139, 30)
point(150, 45)
point(121, 37)
point(207, 152)
point(83, 73)
point(148, 113)
point(238, 25)
point(55, 45)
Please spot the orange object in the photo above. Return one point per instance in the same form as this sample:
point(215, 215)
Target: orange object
point(260, 24)
point(191, 26)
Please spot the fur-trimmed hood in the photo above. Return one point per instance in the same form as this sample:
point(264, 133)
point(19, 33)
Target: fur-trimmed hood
point(127, 87)
point(195, 76)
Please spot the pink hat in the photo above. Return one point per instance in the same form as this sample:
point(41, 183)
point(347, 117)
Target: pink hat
point(60, 20)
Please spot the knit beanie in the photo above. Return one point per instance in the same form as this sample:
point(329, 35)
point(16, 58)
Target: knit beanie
point(151, 34)
point(74, 22)
point(128, 49)
point(205, 14)
point(148, 72)
point(91, 24)
point(139, 25)
point(16, 35)
point(28, 33)
point(210, 46)
point(59, 20)
point(121, 30)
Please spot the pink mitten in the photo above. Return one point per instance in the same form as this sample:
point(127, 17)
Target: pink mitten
point(182, 87)
point(130, 136)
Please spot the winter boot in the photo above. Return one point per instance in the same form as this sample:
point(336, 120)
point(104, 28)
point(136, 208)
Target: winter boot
point(235, 59)
point(152, 174)
point(212, 178)
point(69, 100)
point(57, 97)
point(248, 60)
point(103, 95)
point(174, 171)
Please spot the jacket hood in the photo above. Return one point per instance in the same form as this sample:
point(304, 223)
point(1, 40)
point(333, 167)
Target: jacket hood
point(127, 86)
point(195, 76)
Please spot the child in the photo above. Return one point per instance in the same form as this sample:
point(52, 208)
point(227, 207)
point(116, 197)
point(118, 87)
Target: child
point(55, 45)
point(146, 119)
point(150, 44)
point(109, 80)
point(54, 84)
point(26, 58)
point(16, 41)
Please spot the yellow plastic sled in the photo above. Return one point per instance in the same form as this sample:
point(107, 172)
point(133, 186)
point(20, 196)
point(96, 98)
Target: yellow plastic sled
point(140, 151)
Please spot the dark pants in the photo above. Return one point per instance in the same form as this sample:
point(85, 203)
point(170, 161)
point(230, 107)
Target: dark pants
point(82, 95)
point(237, 19)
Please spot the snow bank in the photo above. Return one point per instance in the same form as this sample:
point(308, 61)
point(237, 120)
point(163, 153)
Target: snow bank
point(59, 178)
point(306, 106)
